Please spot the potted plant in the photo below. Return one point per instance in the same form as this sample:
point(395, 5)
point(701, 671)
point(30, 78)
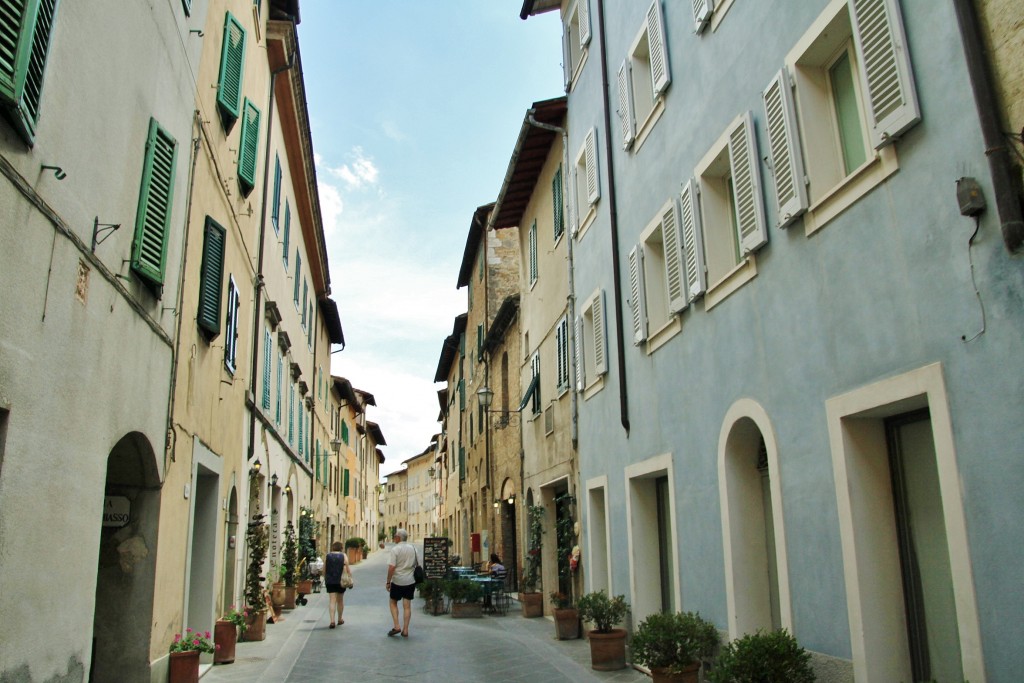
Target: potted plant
point(607, 644)
point(530, 598)
point(183, 666)
point(567, 617)
point(225, 634)
point(307, 551)
point(764, 657)
point(365, 548)
point(432, 591)
point(277, 588)
point(289, 565)
point(674, 645)
point(354, 549)
point(465, 595)
point(257, 539)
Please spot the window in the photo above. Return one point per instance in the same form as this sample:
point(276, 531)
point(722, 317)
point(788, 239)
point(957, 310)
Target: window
point(309, 330)
point(562, 354)
point(248, 147)
point(588, 186)
point(302, 421)
point(291, 414)
point(731, 216)
point(533, 252)
point(298, 279)
point(231, 327)
point(534, 392)
point(344, 432)
point(557, 204)
point(657, 284)
point(153, 218)
point(211, 274)
point(305, 293)
point(575, 39)
point(846, 94)
point(278, 393)
point(267, 348)
point(643, 78)
point(275, 210)
point(591, 342)
point(232, 60)
point(25, 31)
point(287, 237)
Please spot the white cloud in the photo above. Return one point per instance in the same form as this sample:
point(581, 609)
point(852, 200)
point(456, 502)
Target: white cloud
point(331, 207)
point(361, 172)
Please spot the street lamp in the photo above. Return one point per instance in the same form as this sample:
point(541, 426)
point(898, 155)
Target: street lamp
point(485, 396)
point(335, 445)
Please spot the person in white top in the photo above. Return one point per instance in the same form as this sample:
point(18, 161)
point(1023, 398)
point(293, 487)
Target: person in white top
point(401, 585)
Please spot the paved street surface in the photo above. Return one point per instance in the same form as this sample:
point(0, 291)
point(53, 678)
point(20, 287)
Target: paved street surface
point(302, 649)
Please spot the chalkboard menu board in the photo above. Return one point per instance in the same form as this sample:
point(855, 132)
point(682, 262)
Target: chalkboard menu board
point(435, 556)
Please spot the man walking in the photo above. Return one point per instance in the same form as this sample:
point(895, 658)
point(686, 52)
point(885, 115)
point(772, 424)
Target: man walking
point(401, 585)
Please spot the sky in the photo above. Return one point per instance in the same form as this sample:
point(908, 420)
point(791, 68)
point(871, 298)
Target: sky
point(415, 108)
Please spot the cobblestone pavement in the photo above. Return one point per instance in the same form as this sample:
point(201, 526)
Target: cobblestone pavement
point(301, 649)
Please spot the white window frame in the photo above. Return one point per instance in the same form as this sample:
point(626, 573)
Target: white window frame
point(576, 32)
point(231, 327)
point(592, 344)
point(562, 355)
point(657, 279)
point(586, 183)
point(643, 78)
point(830, 189)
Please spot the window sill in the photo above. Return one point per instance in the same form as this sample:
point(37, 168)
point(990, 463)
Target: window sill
point(585, 223)
point(593, 388)
point(864, 179)
point(648, 124)
point(663, 334)
point(744, 272)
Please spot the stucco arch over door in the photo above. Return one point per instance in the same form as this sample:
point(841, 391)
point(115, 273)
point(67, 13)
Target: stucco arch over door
point(127, 564)
point(753, 528)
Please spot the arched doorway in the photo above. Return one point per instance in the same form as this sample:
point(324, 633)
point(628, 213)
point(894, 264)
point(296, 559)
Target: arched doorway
point(231, 542)
point(127, 562)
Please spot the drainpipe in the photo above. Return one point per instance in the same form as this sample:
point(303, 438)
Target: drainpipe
point(614, 221)
point(571, 298)
point(259, 284)
point(1008, 198)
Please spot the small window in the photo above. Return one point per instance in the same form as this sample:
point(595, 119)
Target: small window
point(231, 327)
point(535, 384)
point(25, 34)
point(232, 61)
point(562, 354)
point(643, 77)
point(588, 186)
point(153, 218)
point(533, 252)
point(557, 204)
point(591, 342)
point(575, 39)
point(210, 278)
point(248, 147)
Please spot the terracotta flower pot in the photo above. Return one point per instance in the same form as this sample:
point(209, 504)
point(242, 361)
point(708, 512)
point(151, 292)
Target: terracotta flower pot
point(467, 610)
point(304, 587)
point(532, 604)
point(225, 636)
point(277, 595)
point(688, 674)
point(608, 650)
point(183, 667)
point(289, 597)
point(255, 626)
point(567, 623)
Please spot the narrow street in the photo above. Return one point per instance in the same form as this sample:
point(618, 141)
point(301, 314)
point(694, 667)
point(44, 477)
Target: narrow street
point(500, 648)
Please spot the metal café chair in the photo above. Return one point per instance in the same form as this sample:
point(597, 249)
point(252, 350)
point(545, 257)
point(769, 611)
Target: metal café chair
point(500, 599)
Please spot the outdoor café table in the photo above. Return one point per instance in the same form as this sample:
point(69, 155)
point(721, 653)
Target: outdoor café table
point(489, 585)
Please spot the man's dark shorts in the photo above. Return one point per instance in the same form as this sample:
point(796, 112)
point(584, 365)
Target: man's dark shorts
point(403, 592)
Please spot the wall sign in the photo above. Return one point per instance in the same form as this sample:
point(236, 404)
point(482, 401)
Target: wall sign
point(116, 511)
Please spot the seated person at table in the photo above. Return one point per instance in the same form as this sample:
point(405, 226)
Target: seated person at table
point(495, 568)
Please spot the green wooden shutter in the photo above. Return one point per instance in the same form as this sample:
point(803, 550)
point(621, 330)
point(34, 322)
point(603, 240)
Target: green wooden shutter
point(210, 276)
point(249, 147)
point(280, 375)
point(298, 277)
point(267, 345)
point(344, 432)
point(232, 57)
point(25, 30)
point(287, 233)
point(153, 218)
point(345, 486)
point(275, 212)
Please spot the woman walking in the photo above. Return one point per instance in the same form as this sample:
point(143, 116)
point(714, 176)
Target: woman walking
point(336, 565)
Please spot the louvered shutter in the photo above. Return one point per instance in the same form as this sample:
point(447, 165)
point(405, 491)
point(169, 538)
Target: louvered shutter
point(593, 178)
point(210, 277)
point(153, 218)
point(584, 19)
point(25, 30)
point(747, 186)
point(570, 187)
point(672, 240)
point(302, 422)
point(231, 327)
point(660, 75)
point(886, 76)
point(693, 240)
point(267, 347)
point(249, 147)
point(286, 240)
point(637, 293)
point(580, 365)
point(626, 114)
point(566, 57)
point(232, 59)
point(187, 6)
point(275, 211)
point(533, 252)
point(702, 10)
point(298, 274)
point(558, 204)
point(784, 143)
point(291, 413)
point(600, 336)
point(280, 375)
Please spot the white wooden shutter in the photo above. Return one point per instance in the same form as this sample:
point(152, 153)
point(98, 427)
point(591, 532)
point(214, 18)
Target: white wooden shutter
point(747, 186)
point(693, 240)
point(886, 76)
point(702, 13)
point(583, 14)
point(570, 193)
point(593, 178)
point(600, 335)
point(660, 76)
point(671, 241)
point(626, 115)
point(566, 57)
point(637, 293)
point(784, 144)
point(579, 365)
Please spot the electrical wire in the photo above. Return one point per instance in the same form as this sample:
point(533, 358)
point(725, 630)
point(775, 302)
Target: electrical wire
point(981, 304)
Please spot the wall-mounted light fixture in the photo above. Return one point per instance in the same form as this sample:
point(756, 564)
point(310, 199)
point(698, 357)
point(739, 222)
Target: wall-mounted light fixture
point(273, 480)
point(335, 445)
point(288, 489)
point(511, 499)
point(497, 503)
point(255, 469)
point(484, 395)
